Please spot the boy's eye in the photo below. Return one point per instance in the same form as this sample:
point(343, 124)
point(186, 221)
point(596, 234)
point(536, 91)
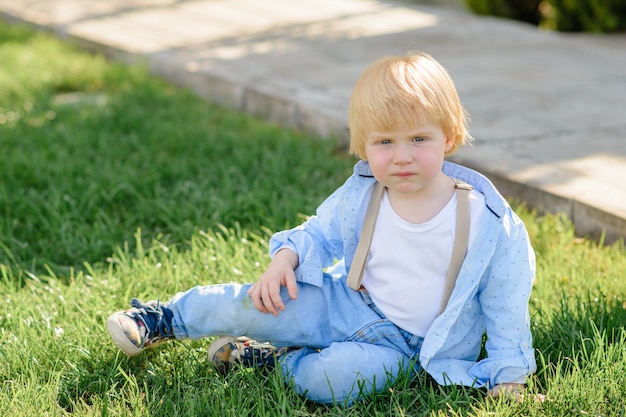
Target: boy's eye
point(418, 139)
point(385, 141)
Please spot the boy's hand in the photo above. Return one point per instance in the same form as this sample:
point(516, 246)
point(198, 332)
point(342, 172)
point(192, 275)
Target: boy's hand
point(513, 391)
point(509, 390)
point(265, 293)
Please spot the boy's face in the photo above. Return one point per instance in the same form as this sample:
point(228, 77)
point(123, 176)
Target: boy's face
point(408, 160)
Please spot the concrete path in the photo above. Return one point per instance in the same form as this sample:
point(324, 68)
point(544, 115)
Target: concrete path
point(548, 109)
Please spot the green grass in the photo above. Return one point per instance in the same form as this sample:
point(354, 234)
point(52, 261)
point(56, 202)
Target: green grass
point(115, 184)
point(93, 151)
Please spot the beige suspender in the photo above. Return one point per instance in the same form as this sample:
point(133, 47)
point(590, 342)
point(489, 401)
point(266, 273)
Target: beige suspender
point(461, 239)
point(355, 276)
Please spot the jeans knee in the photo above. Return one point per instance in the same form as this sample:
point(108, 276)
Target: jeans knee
point(328, 389)
point(339, 374)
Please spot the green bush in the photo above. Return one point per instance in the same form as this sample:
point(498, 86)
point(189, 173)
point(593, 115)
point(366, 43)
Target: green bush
point(523, 10)
point(601, 16)
point(585, 16)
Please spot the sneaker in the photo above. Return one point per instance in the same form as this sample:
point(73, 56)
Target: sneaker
point(143, 326)
point(227, 351)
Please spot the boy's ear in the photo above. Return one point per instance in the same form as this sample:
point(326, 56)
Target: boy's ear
point(449, 143)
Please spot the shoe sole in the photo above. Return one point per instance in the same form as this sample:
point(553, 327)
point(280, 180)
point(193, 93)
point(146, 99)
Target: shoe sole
point(219, 357)
point(120, 339)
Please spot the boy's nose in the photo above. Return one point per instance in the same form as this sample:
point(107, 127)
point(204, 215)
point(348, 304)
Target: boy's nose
point(402, 155)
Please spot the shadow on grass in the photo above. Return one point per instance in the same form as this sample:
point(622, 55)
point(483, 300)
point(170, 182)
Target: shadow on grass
point(97, 380)
point(177, 380)
point(169, 381)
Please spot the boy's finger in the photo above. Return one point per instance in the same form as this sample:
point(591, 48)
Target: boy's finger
point(277, 302)
point(258, 303)
point(269, 302)
point(255, 296)
point(292, 286)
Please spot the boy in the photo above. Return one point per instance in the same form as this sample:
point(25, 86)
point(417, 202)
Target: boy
point(394, 314)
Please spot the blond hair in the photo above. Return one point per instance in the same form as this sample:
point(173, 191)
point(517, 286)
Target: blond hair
point(398, 92)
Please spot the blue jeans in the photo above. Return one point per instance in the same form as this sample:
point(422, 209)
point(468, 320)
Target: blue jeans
point(347, 347)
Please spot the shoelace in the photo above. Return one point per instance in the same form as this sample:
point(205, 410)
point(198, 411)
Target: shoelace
point(156, 317)
point(255, 356)
point(260, 354)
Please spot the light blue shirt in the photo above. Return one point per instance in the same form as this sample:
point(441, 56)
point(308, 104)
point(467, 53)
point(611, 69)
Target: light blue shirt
point(491, 293)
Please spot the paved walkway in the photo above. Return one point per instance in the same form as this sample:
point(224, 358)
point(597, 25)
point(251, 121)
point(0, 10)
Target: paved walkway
point(548, 109)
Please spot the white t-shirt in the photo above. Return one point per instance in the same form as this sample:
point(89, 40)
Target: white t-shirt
point(407, 263)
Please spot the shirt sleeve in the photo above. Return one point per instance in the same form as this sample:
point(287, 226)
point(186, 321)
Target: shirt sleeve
point(504, 301)
point(318, 241)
